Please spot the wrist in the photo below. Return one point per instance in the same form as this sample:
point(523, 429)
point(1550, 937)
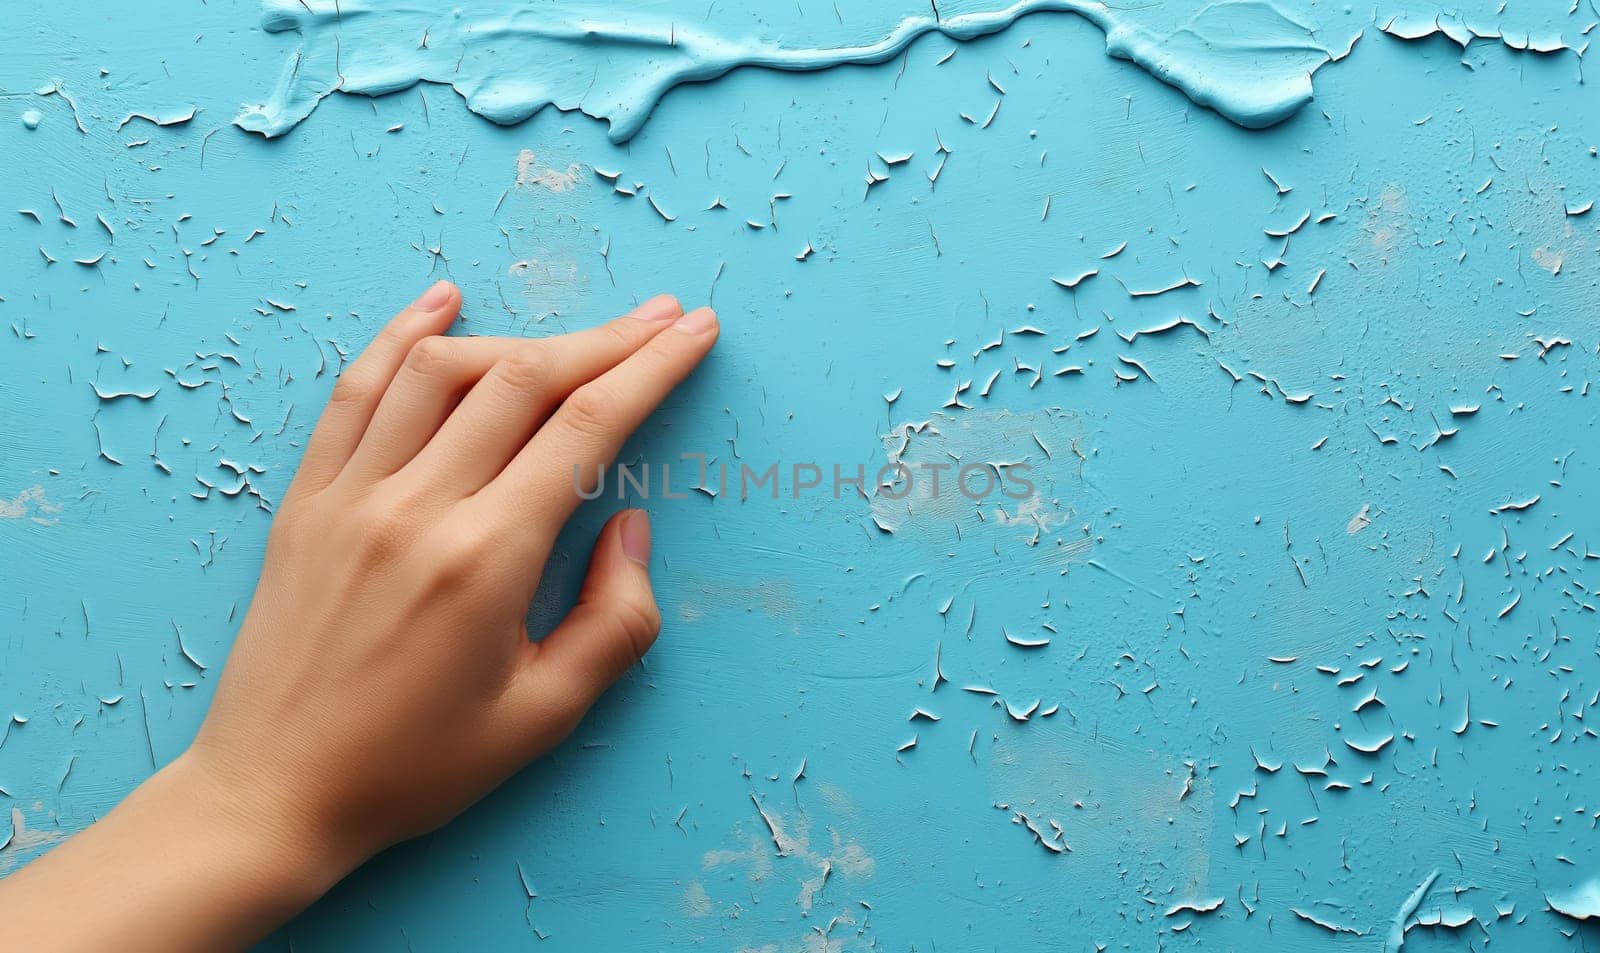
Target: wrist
point(234, 857)
point(275, 851)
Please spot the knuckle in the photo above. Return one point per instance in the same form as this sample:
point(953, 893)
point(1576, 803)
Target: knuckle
point(431, 357)
point(528, 369)
point(382, 541)
point(353, 389)
point(457, 560)
point(386, 529)
point(622, 334)
point(592, 411)
point(640, 620)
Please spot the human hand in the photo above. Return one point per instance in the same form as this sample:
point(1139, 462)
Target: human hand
point(383, 679)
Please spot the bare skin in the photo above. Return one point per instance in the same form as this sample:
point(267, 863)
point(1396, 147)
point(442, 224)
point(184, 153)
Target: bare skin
point(383, 680)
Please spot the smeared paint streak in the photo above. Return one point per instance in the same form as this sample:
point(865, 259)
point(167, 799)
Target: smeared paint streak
point(1247, 59)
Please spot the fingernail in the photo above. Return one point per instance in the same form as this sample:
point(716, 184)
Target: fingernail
point(636, 536)
point(659, 308)
point(434, 298)
point(700, 319)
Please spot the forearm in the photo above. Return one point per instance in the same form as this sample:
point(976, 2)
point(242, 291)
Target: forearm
point(183, 864)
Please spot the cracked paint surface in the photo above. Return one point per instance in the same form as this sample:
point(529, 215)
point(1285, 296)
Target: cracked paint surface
point(1296, 646)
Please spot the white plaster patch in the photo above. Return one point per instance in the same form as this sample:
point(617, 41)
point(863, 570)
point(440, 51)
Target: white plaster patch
point(24, 843)
point(1016, 466)
point(843, 858)
point(533, 270)
point(696, 902)
point(555, 180)
point(1386, 222)
point(30, 504)
point(1550, 259)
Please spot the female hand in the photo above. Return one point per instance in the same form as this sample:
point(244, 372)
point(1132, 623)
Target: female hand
point(383, 679)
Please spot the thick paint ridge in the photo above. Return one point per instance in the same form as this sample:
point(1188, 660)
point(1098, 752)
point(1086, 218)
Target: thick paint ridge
point(1247, 59)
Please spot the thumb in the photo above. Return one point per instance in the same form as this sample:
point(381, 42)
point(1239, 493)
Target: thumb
point(614, 623)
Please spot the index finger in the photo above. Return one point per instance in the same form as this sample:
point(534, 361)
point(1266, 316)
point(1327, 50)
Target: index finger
point(362, 385)
point(538, 487)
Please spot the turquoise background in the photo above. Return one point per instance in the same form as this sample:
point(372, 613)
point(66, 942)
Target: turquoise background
point(1198, 518)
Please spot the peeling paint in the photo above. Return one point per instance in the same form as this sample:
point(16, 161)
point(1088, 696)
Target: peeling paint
point(1292, 645)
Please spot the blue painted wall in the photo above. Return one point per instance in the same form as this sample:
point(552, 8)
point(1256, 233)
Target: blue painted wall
point(1317, 535)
